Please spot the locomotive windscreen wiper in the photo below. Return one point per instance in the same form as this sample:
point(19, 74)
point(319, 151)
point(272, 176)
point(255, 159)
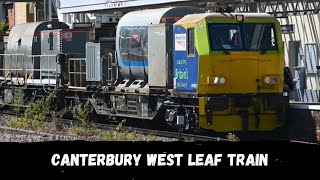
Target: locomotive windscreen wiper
point(226, 52)
point(263, 51)
point(225, 48)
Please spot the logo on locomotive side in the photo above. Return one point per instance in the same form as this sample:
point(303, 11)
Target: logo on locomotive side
point(67, 36)
point(137, 37)
point(180, 42)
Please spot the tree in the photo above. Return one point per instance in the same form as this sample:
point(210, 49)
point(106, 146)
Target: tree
point(3, 26)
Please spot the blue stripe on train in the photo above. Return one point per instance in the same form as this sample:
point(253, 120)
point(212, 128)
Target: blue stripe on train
point(134, 63)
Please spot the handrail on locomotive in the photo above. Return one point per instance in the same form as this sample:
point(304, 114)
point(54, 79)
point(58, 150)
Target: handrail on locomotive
point(110, 62)
point(25, 75)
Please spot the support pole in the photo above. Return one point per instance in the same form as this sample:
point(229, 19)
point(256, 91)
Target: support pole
point(14, 14)
point(35, 12)
point(50, 10)
point(45, 9)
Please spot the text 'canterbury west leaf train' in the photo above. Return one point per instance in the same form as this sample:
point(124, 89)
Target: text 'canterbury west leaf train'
point(222, 72)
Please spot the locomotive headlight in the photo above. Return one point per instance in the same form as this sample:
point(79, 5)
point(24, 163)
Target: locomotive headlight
point(215, 80)
point(271, 79)
point(240, 18)
point(274, 80)
point(222, 80)
point(267, 80)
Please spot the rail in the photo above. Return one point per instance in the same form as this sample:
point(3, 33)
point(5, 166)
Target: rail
point(146, 131)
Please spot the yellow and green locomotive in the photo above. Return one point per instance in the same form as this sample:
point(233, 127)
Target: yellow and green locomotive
point(234, 62)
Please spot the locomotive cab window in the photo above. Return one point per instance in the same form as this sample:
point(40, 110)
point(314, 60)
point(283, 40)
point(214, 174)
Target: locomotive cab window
point(242, 37)
point(225, 37)
point(190, 44)
point(260, 36)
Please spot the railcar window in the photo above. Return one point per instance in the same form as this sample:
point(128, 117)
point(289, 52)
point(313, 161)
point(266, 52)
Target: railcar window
point(19, 42)
point(51, 41)
point(191, 47)
point(246, 37)
point(133, 43)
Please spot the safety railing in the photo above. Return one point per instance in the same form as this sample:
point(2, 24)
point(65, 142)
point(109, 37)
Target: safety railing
point(12, 68)
point(44, 71)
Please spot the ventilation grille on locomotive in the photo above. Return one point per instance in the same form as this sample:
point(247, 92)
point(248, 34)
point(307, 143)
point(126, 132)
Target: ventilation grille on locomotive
point(93, 62)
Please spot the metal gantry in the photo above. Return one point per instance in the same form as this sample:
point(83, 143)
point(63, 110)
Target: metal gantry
point(281, 8)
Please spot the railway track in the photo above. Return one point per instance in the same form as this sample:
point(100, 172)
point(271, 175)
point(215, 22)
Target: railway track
point(105, 127)
point(305, 106)
point(169, 134)
point(49, 136)
point(160, 133)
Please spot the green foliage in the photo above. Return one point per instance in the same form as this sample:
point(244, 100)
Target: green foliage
point(85, 128)
point(151, 137)
point(3, 26)
point(31, 124)
point(40, 109)
point(58, 114)
point(17, 102)
point(34, 117)
point(119, 136)
point(81, 114)
point(119, 127)
point(85, 131)
point(115, 134)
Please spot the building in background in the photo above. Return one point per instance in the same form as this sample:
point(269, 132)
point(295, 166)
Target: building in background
point(24, 12)
point(2, 11)
point(9, 14)
point(6, 13)
point(28, 12)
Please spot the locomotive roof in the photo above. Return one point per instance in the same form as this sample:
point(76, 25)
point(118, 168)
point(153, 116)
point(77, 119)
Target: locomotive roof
point(21, 38)
point(155, 16)
point(194, 18)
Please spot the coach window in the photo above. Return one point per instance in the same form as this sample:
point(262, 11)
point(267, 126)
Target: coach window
point(19, 42)
point(191, 45)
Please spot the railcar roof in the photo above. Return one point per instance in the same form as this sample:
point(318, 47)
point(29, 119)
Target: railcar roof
point(194, 18)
